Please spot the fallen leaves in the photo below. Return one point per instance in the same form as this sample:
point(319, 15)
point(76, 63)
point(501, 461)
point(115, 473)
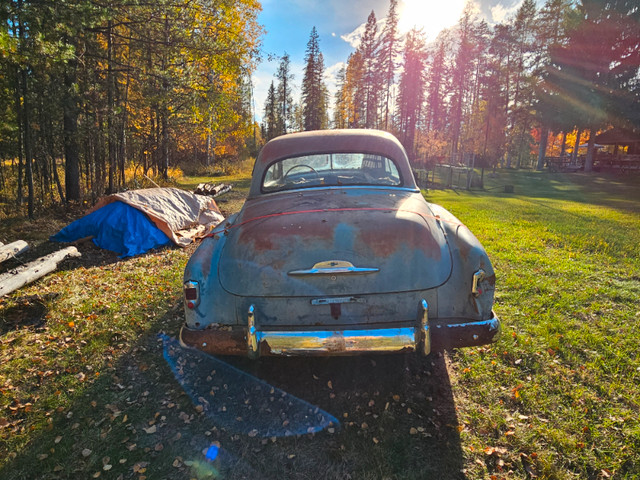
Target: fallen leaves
point(151, 429)
point(140, 467)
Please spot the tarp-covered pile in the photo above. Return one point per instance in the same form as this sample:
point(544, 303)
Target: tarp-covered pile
point(134, 222)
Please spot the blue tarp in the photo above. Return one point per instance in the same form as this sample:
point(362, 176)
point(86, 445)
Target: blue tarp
point(117, 227)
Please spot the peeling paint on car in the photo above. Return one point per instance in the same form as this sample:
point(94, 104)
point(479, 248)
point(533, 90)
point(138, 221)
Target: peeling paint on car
point(338, 264)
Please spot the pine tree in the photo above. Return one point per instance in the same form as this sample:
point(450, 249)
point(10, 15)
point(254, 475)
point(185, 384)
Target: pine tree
point(411, 88)
point(341, 100)
point(368, 50)
point(386, 61)
point(461, 74)
point(284, 96)
point(270, 122)
point(594, 74)
point(314, 91)
point(436, 79)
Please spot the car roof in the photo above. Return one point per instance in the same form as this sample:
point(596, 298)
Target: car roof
point(332, 141)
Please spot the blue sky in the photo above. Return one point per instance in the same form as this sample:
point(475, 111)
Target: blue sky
point(288, 24)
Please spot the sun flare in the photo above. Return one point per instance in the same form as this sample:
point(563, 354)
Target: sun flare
point(430, 15)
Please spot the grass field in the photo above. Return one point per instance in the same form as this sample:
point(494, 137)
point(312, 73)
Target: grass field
point(93, 386)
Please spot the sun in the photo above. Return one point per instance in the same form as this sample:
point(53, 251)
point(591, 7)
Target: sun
point(430, 15)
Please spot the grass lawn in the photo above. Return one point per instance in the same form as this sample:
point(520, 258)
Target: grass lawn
point(93, 386)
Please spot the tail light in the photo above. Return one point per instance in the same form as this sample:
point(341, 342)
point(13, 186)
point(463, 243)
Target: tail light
point(191, 294)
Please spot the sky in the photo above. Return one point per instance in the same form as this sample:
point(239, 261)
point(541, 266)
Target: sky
point(339, 23)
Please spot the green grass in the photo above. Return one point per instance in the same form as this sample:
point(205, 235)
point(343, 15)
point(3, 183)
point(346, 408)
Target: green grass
point(83, 381)
point(563, 383)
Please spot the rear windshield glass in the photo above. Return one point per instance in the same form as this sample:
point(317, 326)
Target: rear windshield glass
point(330, 169)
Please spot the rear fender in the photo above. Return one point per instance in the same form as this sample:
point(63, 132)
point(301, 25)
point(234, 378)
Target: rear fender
point(456, 298)
point(216, 305)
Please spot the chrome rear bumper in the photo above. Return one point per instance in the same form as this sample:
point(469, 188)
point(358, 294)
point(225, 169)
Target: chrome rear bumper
point(424, 337)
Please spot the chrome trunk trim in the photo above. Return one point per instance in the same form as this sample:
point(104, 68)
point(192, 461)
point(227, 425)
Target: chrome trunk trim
point(334, 267)
point(332, 300)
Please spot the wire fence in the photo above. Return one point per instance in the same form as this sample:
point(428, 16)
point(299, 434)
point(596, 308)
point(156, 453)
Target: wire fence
point(449, 176)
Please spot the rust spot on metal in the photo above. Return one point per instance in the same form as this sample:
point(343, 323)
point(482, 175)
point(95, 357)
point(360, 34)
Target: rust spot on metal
point(404, 236)
point(216, 340)
point(202, 257)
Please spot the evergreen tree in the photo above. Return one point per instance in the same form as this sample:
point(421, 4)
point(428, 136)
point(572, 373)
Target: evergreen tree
point(341, 100)
point(461, 74)
point(270, 122)
point(284, 95)
point(314, 91)
point(353, 97)
point(368, 50)
point(386, 61)
point(411, 88)
point(436, 80)
point(594, 74)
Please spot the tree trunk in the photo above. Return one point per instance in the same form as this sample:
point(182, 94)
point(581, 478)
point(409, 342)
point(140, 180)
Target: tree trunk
point(542, 151)
point(70, 125)
point(576, 145)
point(27, 142)
point(110, 110)
point(591, 147)
point(20, 142)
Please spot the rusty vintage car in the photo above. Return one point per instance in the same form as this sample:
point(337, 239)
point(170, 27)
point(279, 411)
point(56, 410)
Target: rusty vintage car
point(336, 252)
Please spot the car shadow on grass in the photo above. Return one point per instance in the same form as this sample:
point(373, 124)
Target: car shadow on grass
point(160, 411)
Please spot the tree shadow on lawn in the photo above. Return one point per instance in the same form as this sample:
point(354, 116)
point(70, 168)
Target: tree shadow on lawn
point(394, 418)
point(595, 188)
point(28, 311)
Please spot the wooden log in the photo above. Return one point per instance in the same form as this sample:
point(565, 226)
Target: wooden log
point(12, 249)
point(32, 271)
point(211, 189)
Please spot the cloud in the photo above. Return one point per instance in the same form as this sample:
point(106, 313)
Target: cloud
point(500, 12)
point(331, 72)
point(353, 38)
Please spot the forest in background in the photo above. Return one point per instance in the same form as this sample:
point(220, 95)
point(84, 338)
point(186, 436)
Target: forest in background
point(94, 93)
point(101, 87)
point(561, 72)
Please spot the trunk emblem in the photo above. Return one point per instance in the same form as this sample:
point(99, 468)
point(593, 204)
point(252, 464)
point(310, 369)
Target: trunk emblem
point(334, 267)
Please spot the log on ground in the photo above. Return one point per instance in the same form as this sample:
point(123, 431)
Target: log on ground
point(12, 249)
point(32, 271)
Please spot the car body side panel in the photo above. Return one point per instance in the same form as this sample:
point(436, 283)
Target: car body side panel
point(456, 299)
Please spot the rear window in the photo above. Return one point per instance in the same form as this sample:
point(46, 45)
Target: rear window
point(330, 169)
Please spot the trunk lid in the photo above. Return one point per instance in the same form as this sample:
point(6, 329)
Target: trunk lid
point(334, 242)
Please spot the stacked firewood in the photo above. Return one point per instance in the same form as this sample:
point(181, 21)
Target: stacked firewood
point(211, 189)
